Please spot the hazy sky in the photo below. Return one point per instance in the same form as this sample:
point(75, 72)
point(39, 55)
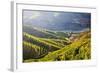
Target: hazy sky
point(48, 19)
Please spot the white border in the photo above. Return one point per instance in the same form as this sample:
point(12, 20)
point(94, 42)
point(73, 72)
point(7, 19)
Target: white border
point(17, 38)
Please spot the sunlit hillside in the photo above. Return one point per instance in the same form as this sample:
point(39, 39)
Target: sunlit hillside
point(56, 49)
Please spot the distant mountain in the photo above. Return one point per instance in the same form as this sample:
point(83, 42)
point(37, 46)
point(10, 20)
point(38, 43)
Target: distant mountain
point(44, 33)
point(62, 27)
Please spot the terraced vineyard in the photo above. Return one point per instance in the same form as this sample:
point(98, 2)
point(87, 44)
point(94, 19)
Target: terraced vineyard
point(46, 45)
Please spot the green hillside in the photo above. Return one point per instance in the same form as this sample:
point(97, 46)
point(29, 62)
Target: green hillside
point(33, 51)
point(35, 47)
point(78, 50)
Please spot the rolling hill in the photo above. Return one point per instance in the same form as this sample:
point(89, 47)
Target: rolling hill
point(78, 50)
point(36, 47)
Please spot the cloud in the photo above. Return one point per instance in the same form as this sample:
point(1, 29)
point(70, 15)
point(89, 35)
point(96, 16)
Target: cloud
point(76, 20)
point(31, 14)
point(34, 15)
point(56, 14)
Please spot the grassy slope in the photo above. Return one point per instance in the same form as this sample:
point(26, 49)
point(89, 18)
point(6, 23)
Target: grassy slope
point(35, 47)
point(48, 42)
point(78, 50)
point(33, 51)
